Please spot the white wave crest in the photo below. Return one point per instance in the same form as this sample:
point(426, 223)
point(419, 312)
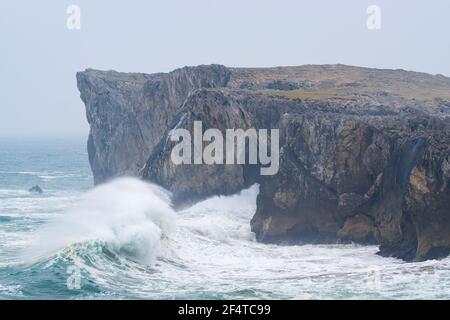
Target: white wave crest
point(129, 216)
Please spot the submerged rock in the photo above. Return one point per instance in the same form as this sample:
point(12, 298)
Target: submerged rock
point(364, 153)
point(36, 189)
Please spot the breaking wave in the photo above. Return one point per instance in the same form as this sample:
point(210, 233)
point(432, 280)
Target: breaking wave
point(127, 242)
point(128, 216)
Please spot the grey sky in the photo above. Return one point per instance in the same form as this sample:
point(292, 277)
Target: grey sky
point(39, 56)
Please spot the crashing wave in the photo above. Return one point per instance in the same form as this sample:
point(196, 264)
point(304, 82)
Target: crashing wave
point(129, 216)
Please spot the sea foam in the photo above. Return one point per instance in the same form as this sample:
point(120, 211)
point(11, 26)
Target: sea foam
point(130, 217)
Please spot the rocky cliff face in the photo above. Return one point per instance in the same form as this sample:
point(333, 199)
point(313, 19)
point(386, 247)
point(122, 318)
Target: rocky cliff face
point(129, 113)
point(364, 153)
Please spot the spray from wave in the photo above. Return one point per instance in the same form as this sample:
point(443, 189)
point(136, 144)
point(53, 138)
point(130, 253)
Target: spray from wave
point(127, 216)
point(122, 238)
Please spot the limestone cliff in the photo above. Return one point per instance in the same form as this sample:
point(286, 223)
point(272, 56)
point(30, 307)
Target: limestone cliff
point(129, 113)
point(364, 155)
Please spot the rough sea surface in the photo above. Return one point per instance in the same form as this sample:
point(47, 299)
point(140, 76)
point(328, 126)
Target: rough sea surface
point(122, 240)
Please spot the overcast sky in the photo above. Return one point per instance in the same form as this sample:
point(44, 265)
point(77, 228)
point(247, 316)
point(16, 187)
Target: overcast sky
point(39, 55)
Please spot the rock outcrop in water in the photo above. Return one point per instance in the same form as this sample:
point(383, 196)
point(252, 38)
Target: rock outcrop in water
point(364, 153)
point(36, 189)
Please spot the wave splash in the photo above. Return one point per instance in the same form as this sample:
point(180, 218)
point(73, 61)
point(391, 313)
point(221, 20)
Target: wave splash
point(123, 239)
point(127, 216)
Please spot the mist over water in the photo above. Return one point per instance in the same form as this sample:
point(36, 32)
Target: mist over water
point(127, 242)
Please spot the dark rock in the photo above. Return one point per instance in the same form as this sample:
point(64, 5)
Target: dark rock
point(355, 165)
point(288, 85)
point(129, 113)
point(36, 189)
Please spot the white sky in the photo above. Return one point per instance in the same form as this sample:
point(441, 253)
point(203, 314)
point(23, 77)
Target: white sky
point(39, 56)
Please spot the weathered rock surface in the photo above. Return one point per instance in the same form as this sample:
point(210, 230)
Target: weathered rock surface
point(364, 153)
point(129, 113)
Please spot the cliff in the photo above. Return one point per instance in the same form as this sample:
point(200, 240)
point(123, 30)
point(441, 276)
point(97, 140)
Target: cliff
point(364, 153)
point(129, 113)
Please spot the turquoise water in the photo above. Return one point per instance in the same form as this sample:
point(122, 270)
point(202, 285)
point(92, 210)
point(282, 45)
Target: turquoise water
point(122, 240)
point(60, 167)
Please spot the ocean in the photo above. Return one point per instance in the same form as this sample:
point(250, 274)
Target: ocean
point(123, 240)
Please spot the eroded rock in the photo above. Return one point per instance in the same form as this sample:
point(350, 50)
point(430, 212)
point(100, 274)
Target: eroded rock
point(364, 153)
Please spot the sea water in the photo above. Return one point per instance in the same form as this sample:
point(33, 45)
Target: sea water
point(123, 240)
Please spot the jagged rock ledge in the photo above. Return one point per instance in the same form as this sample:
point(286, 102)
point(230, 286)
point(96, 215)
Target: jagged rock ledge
point(364, 152)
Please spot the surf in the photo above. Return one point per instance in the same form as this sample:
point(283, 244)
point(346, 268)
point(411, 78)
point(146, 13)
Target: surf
point(128, 216)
